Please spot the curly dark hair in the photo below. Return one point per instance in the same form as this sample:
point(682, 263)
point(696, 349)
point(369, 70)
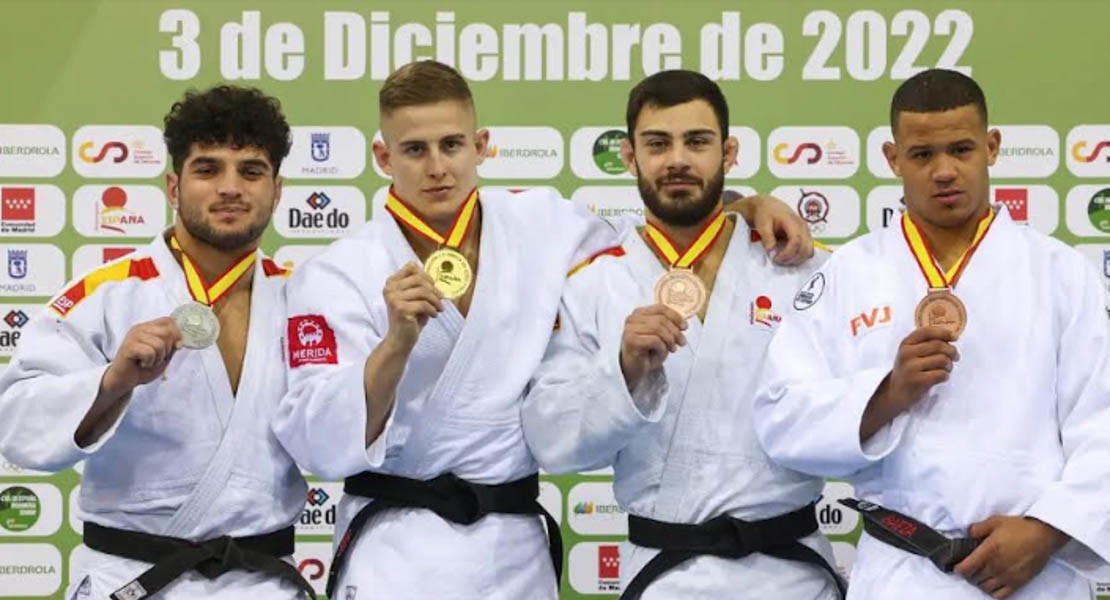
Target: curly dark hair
point(230, 115)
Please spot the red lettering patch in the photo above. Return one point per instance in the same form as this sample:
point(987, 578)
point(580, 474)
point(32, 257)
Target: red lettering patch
point(311, 341)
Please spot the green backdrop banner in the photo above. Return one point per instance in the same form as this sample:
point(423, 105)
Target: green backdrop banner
point(86, 83)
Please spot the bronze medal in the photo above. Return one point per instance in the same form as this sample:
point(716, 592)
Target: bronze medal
point(682, 291)
point(941, 308)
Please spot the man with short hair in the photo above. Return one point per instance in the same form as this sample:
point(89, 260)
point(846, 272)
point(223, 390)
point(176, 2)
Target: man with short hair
point(411, 343)
point(957, 369)
point(652, 371)
point(161, 370)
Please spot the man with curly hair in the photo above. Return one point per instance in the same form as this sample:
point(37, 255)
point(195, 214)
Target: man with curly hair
point(161, 370)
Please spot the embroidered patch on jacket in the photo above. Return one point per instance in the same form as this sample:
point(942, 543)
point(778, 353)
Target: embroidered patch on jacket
point(811, 292)
point(311, 341)
point(867, 320)
point(761, 313)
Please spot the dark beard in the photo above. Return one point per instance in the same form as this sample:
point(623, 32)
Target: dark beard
point(685, 212)
point(200, 230)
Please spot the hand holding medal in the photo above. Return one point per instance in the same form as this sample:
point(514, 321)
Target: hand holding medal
point(680, 288)
point(448, 268)
point(198, 324)
point(941, 307)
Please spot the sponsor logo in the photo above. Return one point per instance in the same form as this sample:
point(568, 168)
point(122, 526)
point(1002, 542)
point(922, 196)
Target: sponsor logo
point(33, 270)
point(810, 150)
point(16, 318)
point(325, 153)
point(311, 341)
point(321, 146)
point(31, 151)
point(832, 211)
point(30, 570)
point(834, 518)
point(1082, 153)
point(523, 153)
point(119, 151)
point(885, 206)
point(119, 211)
point(1027, 151)
point(311, 568)
point(608, 566)
point(17, 263)
point(114, 215)
point(318, 516)
point(869, 319)
point(760, 313)
point(813, 152)
point(1088, 151)
point(31, 210)
point(319, 212)
point(1016, 201)
point(17, 209)
point(811, 292)
point(594, 510)
point(19, 509)
point(611, 202)
point(1098, 210)
point(595, 153)
point(813, 207)
point(899, 526)
point(607, 152)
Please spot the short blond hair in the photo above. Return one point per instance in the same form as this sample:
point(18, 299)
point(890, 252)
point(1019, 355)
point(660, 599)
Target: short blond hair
point(422, 82)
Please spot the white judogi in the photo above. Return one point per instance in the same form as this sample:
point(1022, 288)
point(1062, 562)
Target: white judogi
point(186, 459)
point(458, 403)
point(684, 451)
point(1022, 427)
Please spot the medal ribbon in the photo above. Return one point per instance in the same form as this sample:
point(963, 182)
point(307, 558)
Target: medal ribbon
point(209, 295)
point(455, 235)
point(934, 275)
point(663, 246)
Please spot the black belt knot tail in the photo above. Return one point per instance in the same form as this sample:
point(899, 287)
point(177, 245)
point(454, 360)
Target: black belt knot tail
point(726, 537)
point(173, 557)
point(448, 496)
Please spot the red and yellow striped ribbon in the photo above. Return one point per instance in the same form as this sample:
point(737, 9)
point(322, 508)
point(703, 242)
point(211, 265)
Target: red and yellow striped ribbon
point(934, 274)
point(206, 294)
point(664, 246)
point(455, 235)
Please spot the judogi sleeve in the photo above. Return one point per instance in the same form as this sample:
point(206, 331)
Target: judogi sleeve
point(808, 408)
point(1077, 503)
point(51, 383)
point(578, 412)
point(321, 420)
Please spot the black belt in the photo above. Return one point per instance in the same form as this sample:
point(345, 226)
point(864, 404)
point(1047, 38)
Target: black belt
point(173, 557)
point(448, 496)
point(913, 536)
point(726, 537)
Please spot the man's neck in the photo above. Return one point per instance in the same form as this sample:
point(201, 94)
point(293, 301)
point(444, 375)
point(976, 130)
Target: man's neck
point(682, 235)
point(948, 244)
point(210, 261)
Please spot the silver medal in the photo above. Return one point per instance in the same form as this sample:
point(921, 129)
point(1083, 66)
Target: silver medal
point(198, 324)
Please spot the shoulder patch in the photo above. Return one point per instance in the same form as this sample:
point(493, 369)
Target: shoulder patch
point(811, 292)
point(613, 251)
point(141, 268)
point(311, 341)
point(272, 269)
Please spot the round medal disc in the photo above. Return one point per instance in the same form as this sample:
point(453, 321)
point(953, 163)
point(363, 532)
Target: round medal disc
point(681, 290)
point(198, 324)
point(450, 271)
point(941, 308)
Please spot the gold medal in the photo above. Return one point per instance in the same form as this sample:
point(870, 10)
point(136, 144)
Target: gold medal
point(448, 268)
point(450, 271)
point(680, 288)
point(682, 291)
point(941, 308)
